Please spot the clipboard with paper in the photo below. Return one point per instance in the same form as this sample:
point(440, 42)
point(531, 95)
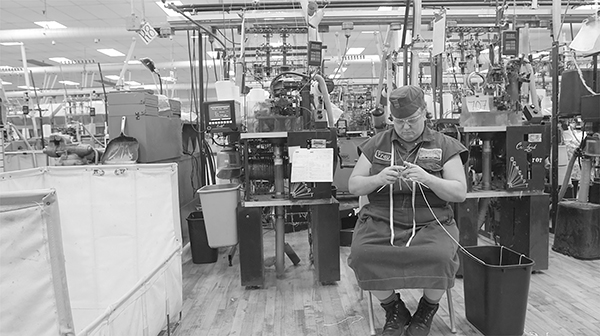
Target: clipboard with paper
point(312, 165)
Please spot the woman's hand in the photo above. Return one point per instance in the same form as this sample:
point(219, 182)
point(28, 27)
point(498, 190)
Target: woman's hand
point(390, 174)
point(415, 173)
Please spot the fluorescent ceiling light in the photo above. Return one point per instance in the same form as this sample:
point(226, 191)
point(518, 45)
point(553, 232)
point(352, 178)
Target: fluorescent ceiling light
point(367, 32)
point(134, 62)
point(212, 54)
point(6, 83)
point(112, 77)
point(169, 79)
point(25, 87)
point(50, 25)
point(355, 51)
point(344, 69)
point(111, 52)
point(169, 11)
point(384, 8)
point(276, 44)
point(372, 57)
point(60, 60)
point(8, 44)
point(587, 7)
point(132, 83)
point(335, 76)
point(66, 82)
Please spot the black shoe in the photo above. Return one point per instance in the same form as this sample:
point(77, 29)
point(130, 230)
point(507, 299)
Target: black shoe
point(420, 323)
point(397, 317)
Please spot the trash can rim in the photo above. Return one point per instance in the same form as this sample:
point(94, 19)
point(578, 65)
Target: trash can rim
point(529, 262)
point(211, 188)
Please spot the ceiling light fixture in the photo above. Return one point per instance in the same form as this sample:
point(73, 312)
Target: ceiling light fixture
point(8, 44)
point(133, 62)
point(112, 77)
point(66, 82)
point(6, 83)
point(355, 51)
point(169, 11)
point(384, 8)
point(50, 25)
point(25, 87)
point(111, 52)
point(133, 83)
point(60, 60)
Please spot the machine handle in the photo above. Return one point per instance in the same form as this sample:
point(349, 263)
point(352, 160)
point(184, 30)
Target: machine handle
point(123, 118)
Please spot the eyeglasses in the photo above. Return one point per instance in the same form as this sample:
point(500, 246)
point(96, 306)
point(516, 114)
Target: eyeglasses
point(412, 121)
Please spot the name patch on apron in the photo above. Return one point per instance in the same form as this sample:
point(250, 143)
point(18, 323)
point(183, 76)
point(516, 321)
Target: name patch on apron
point(430, 154)
point(385, 156)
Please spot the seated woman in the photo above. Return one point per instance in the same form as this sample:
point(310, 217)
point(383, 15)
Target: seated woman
point(416, 171)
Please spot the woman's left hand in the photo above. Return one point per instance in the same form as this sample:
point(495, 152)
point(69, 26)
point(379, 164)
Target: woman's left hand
point(415, 173)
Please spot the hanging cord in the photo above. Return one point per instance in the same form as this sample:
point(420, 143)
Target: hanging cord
point(392, 232)
point(414, 229)
point(455, 241)
point(580, 73)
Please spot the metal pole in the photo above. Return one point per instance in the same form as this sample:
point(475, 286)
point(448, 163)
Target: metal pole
point(554, 136)
point(416, 35)
point(200, 95)
point(279, 210)
point(556, 25)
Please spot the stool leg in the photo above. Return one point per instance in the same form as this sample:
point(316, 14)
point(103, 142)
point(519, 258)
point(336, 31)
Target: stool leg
point(371, 318)
point(451, 310)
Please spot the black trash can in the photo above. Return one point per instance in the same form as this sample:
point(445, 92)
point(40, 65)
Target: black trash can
point(496, 287)
point(201, 252)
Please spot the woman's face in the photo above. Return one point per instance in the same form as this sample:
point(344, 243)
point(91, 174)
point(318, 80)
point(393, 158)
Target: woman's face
point(410, 128)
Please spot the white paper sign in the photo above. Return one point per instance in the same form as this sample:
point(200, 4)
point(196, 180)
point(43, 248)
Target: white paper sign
point(147, 33)
point(312, 165)
point(439, 36)
point(478, 103)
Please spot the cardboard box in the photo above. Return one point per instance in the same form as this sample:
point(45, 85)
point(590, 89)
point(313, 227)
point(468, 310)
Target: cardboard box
point(132, 98)
point(132, 110)
point(159, 137)
point(175, 106)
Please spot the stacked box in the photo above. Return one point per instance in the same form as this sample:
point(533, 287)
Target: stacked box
point(132, 103)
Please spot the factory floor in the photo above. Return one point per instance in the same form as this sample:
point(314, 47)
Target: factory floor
point(563, 300)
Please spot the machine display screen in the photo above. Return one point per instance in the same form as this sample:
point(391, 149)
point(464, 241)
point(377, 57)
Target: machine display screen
point(219, 112)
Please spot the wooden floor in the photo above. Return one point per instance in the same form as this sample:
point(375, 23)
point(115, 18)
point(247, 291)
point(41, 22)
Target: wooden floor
point(563, 300)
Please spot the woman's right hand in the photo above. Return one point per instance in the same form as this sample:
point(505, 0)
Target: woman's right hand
point(390, 174)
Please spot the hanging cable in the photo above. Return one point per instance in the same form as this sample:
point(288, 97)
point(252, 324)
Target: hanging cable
point(392, 231)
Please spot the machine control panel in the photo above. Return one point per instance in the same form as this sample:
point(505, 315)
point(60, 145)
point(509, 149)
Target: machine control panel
point(221, 115)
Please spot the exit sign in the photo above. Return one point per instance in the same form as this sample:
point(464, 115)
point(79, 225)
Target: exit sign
point(510, 42)
point(315, 54)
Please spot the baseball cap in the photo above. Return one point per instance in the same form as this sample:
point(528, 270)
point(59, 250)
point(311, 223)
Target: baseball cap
point(406, 100)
